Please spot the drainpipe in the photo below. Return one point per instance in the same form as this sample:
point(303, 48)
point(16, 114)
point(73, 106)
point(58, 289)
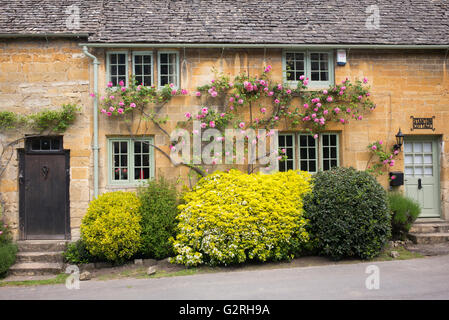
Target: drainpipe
point(95, 146)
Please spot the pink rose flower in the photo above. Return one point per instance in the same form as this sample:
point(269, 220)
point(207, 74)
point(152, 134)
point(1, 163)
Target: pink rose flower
point(203, 125)
point(198, 94)
point(240, 101)
point(121, 83)
point(111, 109)
point(242, 125)
point(212, 124)
point(188, 115)
point(110, 84)
point(120, 110)
point(263, 110)
point(132, 105)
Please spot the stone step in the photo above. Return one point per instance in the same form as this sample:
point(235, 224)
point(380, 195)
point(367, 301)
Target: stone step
point(434, 227)
point(53, 257)
point(41, 245)
point(35, 268)
point(429, 238)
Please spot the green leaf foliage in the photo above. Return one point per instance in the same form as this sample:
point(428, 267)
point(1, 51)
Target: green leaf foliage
point(159, 200)
point(405, 212)
point(348, 213)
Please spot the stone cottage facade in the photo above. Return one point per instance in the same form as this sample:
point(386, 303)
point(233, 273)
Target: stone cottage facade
point(60, 53)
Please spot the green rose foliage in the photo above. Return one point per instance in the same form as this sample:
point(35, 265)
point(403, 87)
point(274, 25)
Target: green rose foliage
point(349, 214)
point(234, 217)
point(111, 227)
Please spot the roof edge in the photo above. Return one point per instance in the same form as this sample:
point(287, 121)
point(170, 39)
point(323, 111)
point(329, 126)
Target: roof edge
point(264, 45)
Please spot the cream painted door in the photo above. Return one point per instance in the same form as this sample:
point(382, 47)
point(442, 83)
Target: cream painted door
point(421, 173)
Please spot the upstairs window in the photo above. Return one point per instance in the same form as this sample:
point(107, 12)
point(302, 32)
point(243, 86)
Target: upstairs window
point(315, 65)
point(143, 68)
point(117, 68)
point(168, 68)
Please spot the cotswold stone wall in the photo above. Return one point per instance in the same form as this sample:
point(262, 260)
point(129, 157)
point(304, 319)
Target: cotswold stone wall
point(37, 75)
point(40, 74)
point(403, 83)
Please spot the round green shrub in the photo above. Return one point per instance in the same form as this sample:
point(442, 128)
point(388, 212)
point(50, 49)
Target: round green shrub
point(230, 218)
point(405, 212)
point(159, 200)
point(348, 214)
point(8, 249)
point(77, 253)
point(111, 227)
point(7, 257)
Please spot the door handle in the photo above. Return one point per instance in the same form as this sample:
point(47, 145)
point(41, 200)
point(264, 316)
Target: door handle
point(419, 184)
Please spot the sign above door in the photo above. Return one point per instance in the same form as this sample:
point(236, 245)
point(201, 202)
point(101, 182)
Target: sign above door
point(422, 123)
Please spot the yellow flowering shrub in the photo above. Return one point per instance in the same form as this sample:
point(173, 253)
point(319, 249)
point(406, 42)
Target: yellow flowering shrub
point(234, 217)
point(111, 227)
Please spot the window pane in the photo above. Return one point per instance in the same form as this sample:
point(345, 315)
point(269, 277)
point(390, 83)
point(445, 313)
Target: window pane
point(312, 153)
point(45, 144)
point(164, 80)
point(147, 59)
point(138, 59)
point(312, 166)
point(303, 153)
point(164, 58)
point(137, 160)
point(145, 160)
point(137, 70)
point(122, 58)
point(123, 147)
point(304, 166)
point(113, 58)
point(326, 165)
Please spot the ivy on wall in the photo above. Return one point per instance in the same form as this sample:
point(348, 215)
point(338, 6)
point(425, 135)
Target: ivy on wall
point(45, 120)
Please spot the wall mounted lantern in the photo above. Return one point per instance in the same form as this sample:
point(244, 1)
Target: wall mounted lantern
point(399, 140)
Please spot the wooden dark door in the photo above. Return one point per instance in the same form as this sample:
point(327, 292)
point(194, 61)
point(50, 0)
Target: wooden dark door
point(43, 181)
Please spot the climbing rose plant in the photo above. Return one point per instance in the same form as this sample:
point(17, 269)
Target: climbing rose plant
point(268, 103)
point(385, 159)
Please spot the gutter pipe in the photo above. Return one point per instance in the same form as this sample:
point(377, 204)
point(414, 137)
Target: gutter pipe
point(261, 45)
point(95, 146)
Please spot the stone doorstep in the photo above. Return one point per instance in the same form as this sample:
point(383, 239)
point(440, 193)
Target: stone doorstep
point(42, 245)
point(429, 238)
point(430, 227)
point(53, 257)
point(36, 268)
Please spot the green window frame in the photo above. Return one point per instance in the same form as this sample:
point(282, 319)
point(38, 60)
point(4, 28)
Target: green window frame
point(143, 67)
point(307, 153)
point(317, 65)
point(287, 142)
point(168, 68)
point(117, 69)
point(130, 160)
point(310, 154)
point(329, 151)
